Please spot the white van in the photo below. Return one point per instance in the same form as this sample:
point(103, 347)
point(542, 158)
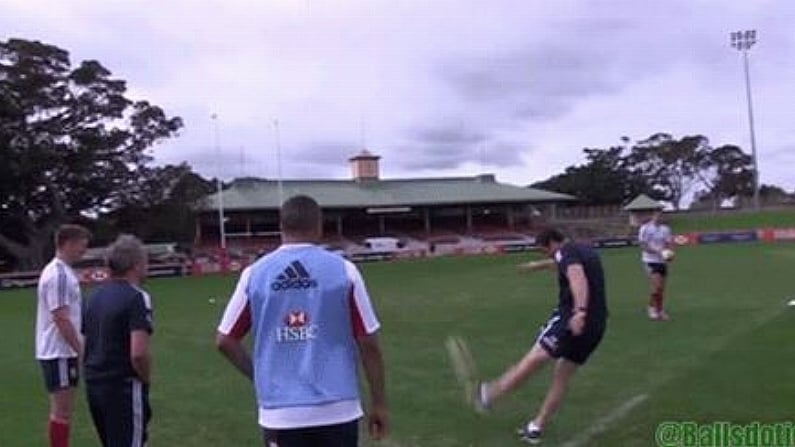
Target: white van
point(383, 244)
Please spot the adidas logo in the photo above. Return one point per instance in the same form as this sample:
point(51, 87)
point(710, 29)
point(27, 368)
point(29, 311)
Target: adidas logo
point(294, 276)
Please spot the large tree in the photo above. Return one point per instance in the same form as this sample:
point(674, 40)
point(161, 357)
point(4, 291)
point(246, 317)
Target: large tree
point(681, 169)
point(70, 140)
point(726, 172)
point(662, 167)
point(671, 166)
point(604, 178)
point(774, 195)
point(163, 208)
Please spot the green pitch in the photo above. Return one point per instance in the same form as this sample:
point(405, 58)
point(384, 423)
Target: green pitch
point(726, 356)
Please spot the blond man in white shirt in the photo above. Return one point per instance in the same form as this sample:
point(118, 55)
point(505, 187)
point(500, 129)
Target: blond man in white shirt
point(58, 343)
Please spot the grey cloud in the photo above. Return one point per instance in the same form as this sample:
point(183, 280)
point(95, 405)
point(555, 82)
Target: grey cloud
point(441, 146)
point(452, 154)
point(427, 156)
point(328, 153)
point(541, 82)
point(447, 134)
point(504, 154)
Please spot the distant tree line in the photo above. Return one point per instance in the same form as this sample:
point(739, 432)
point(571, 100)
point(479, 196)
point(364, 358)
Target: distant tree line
point(663, 167)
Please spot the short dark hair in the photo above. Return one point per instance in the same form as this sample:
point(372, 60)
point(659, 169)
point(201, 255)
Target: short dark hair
point(70, 232)
point(300, 214)
point(548, 235)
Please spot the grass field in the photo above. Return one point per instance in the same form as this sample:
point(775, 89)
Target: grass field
point(687, 222)
point(728, 354)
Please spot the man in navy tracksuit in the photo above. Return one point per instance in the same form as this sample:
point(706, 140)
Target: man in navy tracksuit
point(117, 324)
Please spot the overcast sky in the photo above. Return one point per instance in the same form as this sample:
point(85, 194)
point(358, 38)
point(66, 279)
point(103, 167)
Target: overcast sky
point(437, 88)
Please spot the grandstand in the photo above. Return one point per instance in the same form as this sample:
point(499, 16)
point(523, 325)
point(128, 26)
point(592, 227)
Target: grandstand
point(423, 213)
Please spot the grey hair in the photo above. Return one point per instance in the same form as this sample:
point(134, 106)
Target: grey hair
point(124, 254)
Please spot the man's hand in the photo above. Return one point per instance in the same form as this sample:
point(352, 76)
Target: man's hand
point(378, 422)
point(373, 363)
point(577, 322)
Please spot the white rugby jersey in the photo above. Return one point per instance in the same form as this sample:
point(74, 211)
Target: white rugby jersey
point(58, 287)
point(656, 236)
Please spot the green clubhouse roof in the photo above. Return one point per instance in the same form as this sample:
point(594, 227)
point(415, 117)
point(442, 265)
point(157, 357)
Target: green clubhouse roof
point(643, 203)
point(253, 194)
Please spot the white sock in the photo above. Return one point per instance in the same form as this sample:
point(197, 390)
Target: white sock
point(484, 393)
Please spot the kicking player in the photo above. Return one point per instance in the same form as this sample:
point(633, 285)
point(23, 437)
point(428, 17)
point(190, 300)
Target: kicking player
point(571, 335)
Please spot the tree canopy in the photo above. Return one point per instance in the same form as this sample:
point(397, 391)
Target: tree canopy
point(604, 178)
point(660, 166)
point(71, 142)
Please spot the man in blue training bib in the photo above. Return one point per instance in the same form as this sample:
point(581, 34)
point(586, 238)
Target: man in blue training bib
point(312, 320)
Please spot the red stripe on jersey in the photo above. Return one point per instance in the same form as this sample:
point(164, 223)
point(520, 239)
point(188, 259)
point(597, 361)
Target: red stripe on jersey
point(243, 323)
point(356, 316)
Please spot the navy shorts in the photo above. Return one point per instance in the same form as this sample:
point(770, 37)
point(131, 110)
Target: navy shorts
point(659, 268)
point(558, 341)
point(60, 374)
point(339, 435)
point(120, 411)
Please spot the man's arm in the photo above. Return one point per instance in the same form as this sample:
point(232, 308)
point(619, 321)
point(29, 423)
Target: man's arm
point(140, 327)
point(373, 363)
point(532, 266)
point(234, 351)
point(68, 331)
point(56, 299)
point(365, 327)
point(140, 356)
point(669, 239)
point(579, 291)
point(235, 324)
point(579, 285)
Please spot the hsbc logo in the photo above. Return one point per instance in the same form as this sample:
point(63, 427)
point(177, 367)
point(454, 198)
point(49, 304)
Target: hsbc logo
point(296, 319)
point(297, 328)
point(294, 276)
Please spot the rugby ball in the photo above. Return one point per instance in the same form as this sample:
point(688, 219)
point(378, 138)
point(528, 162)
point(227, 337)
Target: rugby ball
point(668, 254)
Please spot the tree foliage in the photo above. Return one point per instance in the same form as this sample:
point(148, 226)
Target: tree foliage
point(71, 143)
point(164, 206)
point(725, 172)
point(660, 166)
point(670, 166)
point(605, 178)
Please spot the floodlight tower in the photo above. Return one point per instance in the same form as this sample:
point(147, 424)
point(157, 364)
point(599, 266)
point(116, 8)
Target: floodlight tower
point(743, 41)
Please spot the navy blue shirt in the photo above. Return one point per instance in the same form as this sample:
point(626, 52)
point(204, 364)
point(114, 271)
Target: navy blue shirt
point(110, 314)
point(575, 253)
